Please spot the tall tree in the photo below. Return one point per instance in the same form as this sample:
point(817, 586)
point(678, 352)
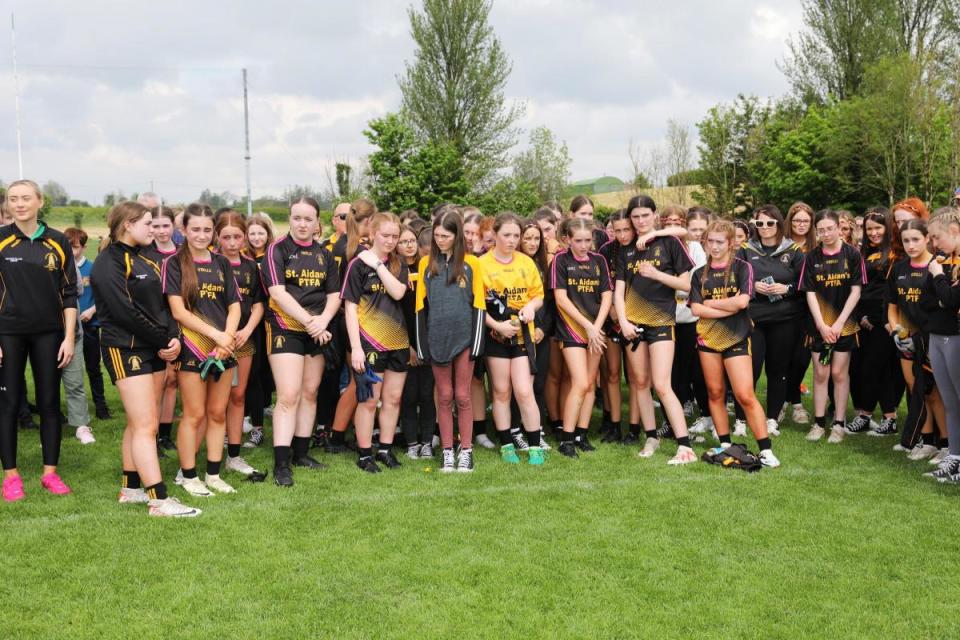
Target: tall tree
point(55, 193)
point(546, 164)
point(679, 156)
point(453, 91)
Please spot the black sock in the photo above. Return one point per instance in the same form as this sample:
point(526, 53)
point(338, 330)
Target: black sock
point(635, 429)
point(131, 479)
point(724, 439)
point(338, 437)
point(821, 421)
point(479, 427)
point(606, 416)
point(385, 446)
point(579, 433)
point(213, 468)
point(157, 491)
point(566, 436)
point(763, 443)
point(556, 425)
point(533, 438)
point(233, 450)
point(504, 437)
point(838, 423)
point(166, 428)
point(683, 441)
point(189, 473)
point(301, 446)
point(281, 456)
point(365, 452)
point(651, 433)
point(942, 443)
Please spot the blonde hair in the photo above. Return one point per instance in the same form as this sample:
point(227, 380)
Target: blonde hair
point(950, 218)
point(376, 221)
point(26, 183)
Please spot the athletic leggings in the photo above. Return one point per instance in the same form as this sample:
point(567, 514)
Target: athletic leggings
point(91, 359)
point(684, 358)
point(945, 358)
point(923, 384)
point(417, 411)
point(875, 372)
point(42, 351)
point(771, 345)
point(799, 363)
point(260, 383)
point(453, 382)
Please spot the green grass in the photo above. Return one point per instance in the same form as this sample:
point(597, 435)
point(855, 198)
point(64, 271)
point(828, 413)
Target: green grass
point(842, 541)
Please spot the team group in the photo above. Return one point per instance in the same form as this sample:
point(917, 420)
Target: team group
point(393, 323)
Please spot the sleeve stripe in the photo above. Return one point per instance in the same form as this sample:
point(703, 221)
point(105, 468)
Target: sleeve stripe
point(273, 267)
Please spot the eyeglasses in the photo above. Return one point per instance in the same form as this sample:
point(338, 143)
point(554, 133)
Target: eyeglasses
point(408, 241)
point(764, 223)
point(800, 222)
point(341, 216)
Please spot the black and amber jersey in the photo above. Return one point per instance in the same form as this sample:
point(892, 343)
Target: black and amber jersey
point(382, 324)
point(247, 276)
point(647, 301)
point(943, 300)
point(874, 293)
point(341, 258)
point(409, 302)
point(308, 273)
point(330, 242)
point(38, 280)
point(907, 288)
point(610, 252)
point(510, 286)
point(128, 293)
point(716, 283)
point(155, 254)
point(216, 291)
point(584, 281)
point(831, 277)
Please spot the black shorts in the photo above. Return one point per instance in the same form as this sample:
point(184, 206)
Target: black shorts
point(494, 349)
point(842, 345)
point(190, 363)
point(742, 348)
point(651, 333)
point(125, 363)
point(280, 340)
point(396, 360)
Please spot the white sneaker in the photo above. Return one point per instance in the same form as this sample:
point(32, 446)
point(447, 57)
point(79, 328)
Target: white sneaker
point(922, 452)
point(685, 455)
point(85, 435)
point(816, 432)
point(435, 443)
point(240, 465)
point(649, 448)
point(426, 452)
point(195, 487)
point(543, 442)
point(837, 432)
point(899, 448)
point(172, 508)
point(448, 464)
point(768, 459)
point(413, 452)
point(247, 425)
point(178, 479)
point(739, 428)
point(484, 441)
point(773, 428)
point(217, 484)
point(703, 424)
point(940, 457)
point(800, 415)
point(133, 496)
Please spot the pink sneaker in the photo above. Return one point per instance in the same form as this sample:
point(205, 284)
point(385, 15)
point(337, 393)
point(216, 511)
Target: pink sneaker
point(52, 483)
point(13, 489)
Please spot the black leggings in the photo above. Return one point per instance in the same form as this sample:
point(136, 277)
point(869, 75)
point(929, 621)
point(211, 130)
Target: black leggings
point(42, 351)
point(799, 363)
point(875, 373)
point(418, 413)
point(260, 383)
point(772, 344)
point(91, 360)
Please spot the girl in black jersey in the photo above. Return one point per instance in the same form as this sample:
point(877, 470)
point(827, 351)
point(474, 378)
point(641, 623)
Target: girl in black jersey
point(162, 225)
point(346, 248)
point(260, 388)
point(875, 374)
point(645, 302)
point(911, 301)
point(799, 225)
point(38, 320)
point(720, 294)
point(302, 278)
point(138, 338)
point(203, 298)
point(374, 284)
point(832, 277)
point(230, 233)
point(532, 245)
point(580, 280)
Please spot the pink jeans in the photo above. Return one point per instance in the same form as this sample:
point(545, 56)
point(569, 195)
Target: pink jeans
point(459, 373)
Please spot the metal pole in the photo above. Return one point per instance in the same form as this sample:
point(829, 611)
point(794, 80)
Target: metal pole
point(16, 93)
point(246, 134)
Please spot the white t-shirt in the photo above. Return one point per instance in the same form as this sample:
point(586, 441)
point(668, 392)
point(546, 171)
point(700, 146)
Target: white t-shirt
point(699, 257)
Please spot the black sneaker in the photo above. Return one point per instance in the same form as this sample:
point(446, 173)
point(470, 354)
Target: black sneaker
point(465, 461)
point(615, 434)
point(583, 443)
point(948, 468)
point(103, 413)
point(386, 457)
point(319, 440)
point(887, 427)
point(860, 424)
point(308, 463)
point(631, 439)
point(368, 464)
point(26, 422)
point(283, 476)
point(568, 449)
point(665, 431)
point(332, 447)
point(166, 444)
point(518, 440)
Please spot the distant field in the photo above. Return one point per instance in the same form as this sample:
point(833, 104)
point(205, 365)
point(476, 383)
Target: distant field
point(662, 196)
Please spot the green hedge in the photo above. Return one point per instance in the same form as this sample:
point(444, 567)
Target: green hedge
point(63, 217)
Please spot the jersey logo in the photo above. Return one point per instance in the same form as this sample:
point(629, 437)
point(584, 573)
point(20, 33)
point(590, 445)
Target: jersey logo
point(462, 282)
point(135, 363)
point(784, 258)
point(220, 275)
point(656, 252)
point(372, 357)
point(278, 342)
point(50, 261)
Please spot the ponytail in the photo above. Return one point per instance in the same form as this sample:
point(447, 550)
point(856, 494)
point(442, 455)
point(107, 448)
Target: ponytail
point(360, 210)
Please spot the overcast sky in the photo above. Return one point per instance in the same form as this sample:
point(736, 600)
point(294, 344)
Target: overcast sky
point(116, 94)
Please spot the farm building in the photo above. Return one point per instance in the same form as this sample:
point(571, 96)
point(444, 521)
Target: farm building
point(606, 184)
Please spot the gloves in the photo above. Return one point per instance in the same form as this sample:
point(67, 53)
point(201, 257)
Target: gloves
point(365, 382)
point(905, 345)
point(214, 364)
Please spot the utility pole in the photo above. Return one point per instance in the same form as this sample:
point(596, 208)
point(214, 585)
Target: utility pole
point(246, 134)
point(16, 93)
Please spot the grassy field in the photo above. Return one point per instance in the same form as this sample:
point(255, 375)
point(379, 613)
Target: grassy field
point(842, 541)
